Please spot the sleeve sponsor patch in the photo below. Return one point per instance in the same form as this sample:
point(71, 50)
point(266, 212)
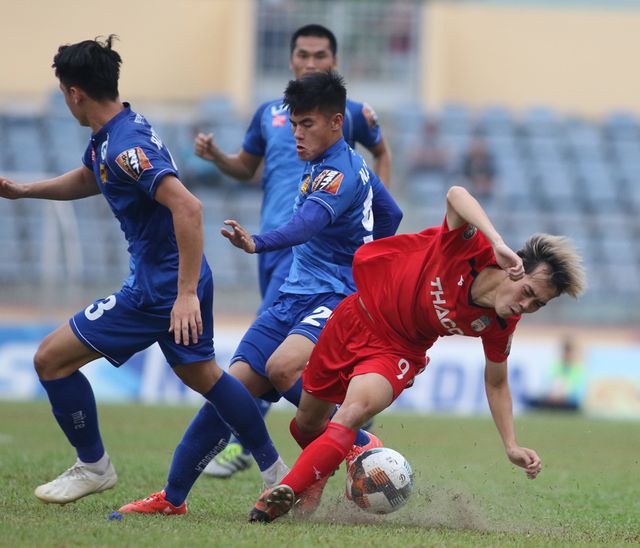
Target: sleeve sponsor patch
point(133, 162)
point(370, 116)
point(328, 180)
point(469, 232)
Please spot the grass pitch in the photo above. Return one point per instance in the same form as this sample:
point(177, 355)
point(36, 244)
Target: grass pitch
point(466, 493)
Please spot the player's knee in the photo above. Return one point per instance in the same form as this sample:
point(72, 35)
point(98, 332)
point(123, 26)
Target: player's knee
point(354, 414)
point(44, 361)
point(283, 373)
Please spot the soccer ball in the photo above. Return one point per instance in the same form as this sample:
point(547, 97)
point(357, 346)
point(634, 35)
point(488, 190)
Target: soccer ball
point(379, 480)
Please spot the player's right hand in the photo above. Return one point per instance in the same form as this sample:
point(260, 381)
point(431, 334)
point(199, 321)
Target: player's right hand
point(10, 190)
point(509, 261)
point(204, 147)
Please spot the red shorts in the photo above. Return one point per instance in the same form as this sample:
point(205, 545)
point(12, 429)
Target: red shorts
point(348, 347)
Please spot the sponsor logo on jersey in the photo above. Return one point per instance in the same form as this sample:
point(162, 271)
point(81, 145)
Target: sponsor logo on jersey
point(103, 150)
point(370, 116)
point(305, 184)
point(93, 155)
point(133, 162)
point(441, 311)
point(480, 324)
point(469, 232)
point(328, 180)
point(278, 120)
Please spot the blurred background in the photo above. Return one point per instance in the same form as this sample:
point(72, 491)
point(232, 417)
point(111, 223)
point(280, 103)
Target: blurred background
point(534, 106)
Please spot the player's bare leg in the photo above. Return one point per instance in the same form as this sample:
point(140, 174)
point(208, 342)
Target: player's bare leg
point(285, 365)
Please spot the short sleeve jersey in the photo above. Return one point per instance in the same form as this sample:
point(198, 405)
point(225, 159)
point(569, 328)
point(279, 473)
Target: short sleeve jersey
point(340, 181)
point(269, 135)
point(417, 287)
point(129, 160)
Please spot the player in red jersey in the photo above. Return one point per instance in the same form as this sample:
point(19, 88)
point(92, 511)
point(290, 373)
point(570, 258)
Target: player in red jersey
point(456, 279)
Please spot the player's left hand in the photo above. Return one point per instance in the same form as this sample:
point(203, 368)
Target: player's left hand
point(527, 459)
point(186, 321)
point(509, 261)
point(238, 236)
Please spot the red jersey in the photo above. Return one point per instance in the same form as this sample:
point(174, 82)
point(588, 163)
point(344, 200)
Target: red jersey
point(417, 287)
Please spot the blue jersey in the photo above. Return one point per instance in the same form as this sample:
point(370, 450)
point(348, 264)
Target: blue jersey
point(129, 160)
point(270, 135)
point(340, 181)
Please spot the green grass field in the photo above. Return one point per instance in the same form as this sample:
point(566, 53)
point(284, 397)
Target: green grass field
point(466, 492)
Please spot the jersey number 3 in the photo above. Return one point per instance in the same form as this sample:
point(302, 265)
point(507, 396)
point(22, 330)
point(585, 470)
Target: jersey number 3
point(97, 309)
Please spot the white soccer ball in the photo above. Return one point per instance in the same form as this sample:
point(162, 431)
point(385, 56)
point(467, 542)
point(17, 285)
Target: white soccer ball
point(379, 481)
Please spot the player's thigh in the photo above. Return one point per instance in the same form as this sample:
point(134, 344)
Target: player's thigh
point(61, 353)
point(313, 413)
point(290, 357)
point(256, 384)
point(366, 396)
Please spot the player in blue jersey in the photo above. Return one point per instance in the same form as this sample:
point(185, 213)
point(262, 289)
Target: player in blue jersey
point(313, 48)
point(167, 298)
point(334, 215)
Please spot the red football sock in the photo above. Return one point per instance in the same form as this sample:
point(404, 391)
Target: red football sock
point(304, 438)
point(320, 458)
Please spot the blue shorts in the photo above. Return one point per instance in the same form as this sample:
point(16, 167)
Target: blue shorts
point(117, 328)
point(273, 269)
point(291, 314)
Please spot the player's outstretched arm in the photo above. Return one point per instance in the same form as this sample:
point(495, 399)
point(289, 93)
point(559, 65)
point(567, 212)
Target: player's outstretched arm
point(499, 398)
point(241, 166)
point(382, 161)
point(462, 208)
point(75, 184)
point(186, 210)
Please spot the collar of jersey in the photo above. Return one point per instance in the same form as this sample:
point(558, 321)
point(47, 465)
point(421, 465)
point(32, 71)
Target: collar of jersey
point(107, 127)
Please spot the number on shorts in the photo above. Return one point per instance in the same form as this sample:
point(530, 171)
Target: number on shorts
point(320, 313)
point(97, 309)
point(404, 366)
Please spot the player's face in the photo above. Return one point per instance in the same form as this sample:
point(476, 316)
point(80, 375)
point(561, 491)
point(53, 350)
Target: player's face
point(311, 54)
point(314, 133)
point(71, 99)
point(525, 296)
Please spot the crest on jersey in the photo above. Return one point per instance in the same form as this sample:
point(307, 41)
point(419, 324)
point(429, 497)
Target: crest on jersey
point(469, 232)
point(133, 162)
point(480, 324)
point(328, 180)
point(370, 116)
point(305, 184)
point(103, 173)
point(278, 120)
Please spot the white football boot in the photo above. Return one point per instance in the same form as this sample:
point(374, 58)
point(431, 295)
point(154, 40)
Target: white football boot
point(76, 482)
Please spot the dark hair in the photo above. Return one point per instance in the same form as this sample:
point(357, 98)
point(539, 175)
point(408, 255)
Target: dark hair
point(324, 91)
point(559, 256)
point(90, 65)
point(319, 32)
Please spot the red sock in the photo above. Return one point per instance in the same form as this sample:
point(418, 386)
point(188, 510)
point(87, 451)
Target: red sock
point(304, 438)
point(321, 457)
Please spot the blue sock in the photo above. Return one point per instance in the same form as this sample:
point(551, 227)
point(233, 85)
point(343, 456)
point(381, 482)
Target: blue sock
point(74, 407)
point(294, 393)
point(238, 409)
point(205, 437)
point(263, 407)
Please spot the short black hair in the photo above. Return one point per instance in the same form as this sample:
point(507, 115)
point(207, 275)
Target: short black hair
point(324, 91)
point(90, 65)
point(317, 31)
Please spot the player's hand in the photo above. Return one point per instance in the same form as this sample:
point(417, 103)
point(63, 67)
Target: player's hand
point(527, 459)
point(509, 261)
point(186, 321)
point(11, 190)
point(238, 236)
point(204, 147)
